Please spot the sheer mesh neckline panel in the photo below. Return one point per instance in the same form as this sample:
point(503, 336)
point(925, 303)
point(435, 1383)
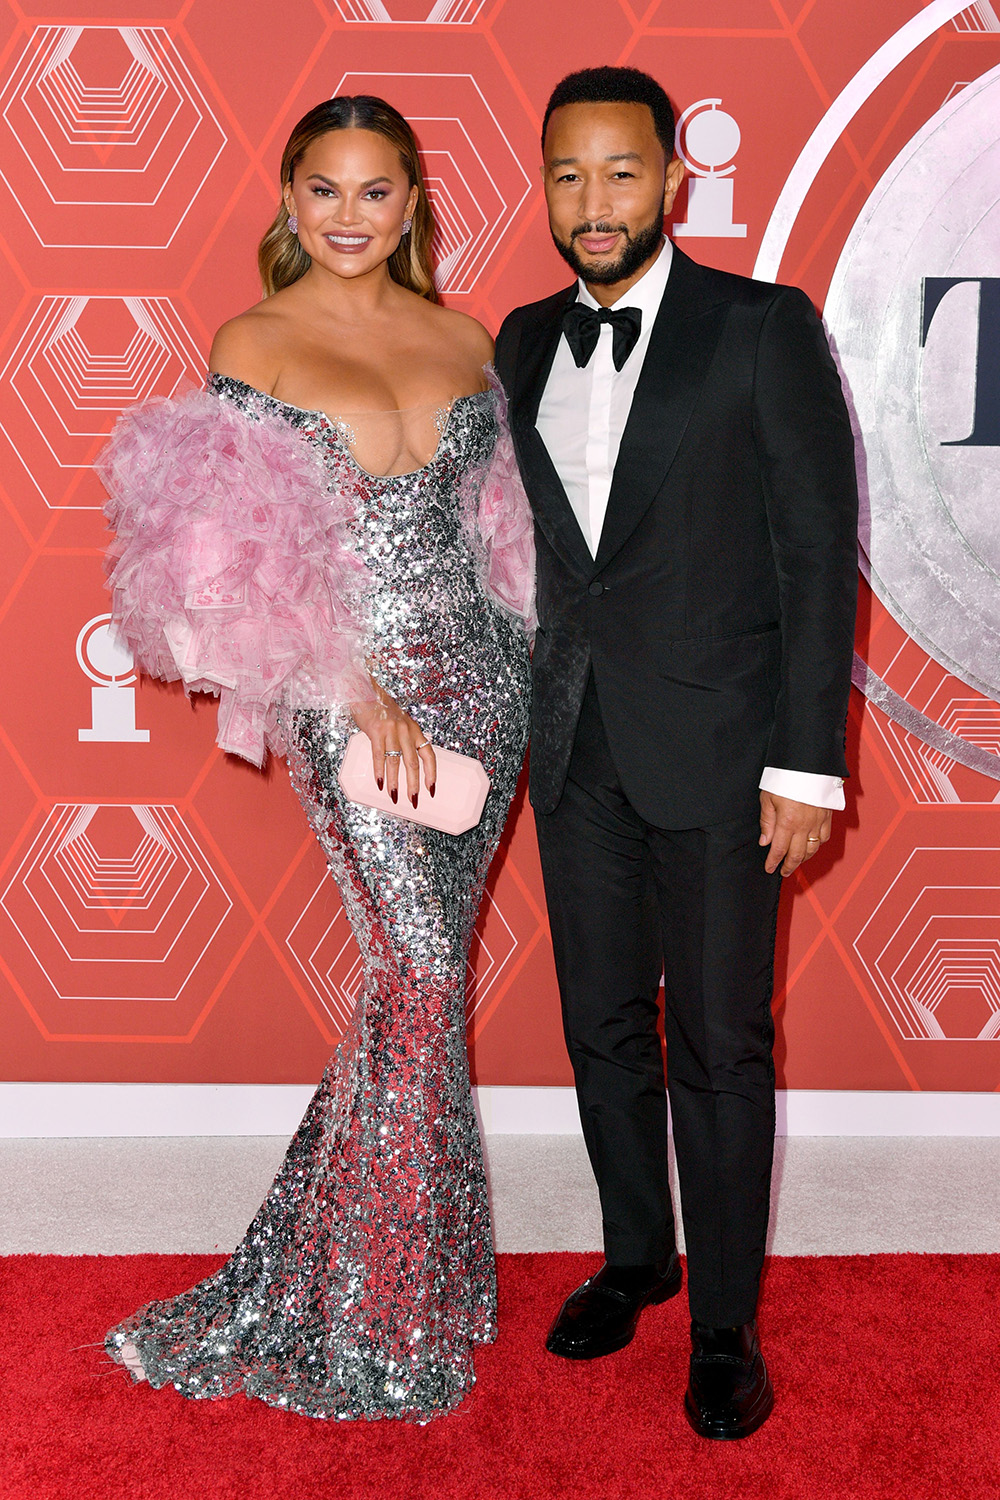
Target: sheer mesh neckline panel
point(389, 444)
point(384, 444)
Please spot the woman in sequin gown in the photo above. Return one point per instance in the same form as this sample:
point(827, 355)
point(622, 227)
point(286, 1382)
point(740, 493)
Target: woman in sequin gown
point(367, 1276)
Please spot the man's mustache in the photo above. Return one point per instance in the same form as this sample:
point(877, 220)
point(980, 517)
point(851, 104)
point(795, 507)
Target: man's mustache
point(599, 229)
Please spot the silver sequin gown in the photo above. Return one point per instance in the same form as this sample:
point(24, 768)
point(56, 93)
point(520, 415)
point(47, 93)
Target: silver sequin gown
point(367, 1276)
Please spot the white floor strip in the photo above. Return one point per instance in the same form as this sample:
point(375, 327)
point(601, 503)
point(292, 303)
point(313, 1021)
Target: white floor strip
point(180, 1195)
point(190, 1109)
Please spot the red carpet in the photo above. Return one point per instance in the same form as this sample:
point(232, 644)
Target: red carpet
point(887, 1370)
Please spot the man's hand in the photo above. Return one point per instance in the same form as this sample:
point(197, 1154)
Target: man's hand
point(794, 831)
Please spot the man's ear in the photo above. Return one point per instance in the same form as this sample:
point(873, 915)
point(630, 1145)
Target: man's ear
point(675, 176)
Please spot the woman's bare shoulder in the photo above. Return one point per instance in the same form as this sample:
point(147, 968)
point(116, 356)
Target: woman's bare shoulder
point(246, 347)
point(468, 332)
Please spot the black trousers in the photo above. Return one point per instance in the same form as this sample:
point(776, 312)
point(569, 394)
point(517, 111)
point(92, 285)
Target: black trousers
point(624, 899)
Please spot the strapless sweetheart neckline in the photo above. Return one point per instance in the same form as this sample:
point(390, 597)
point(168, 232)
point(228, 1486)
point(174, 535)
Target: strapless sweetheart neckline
point(336, 424)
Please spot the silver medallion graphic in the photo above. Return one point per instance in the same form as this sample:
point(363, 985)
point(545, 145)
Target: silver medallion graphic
point(914, 315)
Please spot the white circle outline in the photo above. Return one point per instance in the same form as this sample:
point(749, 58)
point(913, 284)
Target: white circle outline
point(696, 168)
point(85, 666)
point(836, 120)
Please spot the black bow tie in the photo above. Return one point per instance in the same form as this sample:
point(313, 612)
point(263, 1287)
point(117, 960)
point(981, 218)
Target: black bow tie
point(582, 326)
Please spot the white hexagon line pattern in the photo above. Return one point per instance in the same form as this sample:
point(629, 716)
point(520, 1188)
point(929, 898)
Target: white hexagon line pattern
point(83, 112)
point(440, 13)
point(162, 825)
point(931, 969)
point(914, 1020)
point(922, 769)
point(972, 964)
point(89, 118)
point(975, 719)
point(452, 233)
point(51, 346)
point(339, 1000)
point(159, 858)
point(955, 963)
point(97, 878)
point(926, 771)
point(481, 984)
point(459, 272)
point(925, 781)
point(977, 17)
point(462, 274)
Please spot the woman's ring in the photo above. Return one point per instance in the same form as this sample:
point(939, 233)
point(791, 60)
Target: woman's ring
point(423, 744)
point(396, 753)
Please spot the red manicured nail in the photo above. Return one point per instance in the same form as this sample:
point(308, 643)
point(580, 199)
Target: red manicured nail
point(431, 787)
point(394, 794)
point(378, 782)
point(413, 798)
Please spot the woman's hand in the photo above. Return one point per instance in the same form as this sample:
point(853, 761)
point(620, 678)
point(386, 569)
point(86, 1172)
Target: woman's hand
point(396, 740)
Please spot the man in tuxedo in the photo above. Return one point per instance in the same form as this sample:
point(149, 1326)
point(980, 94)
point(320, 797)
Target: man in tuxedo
point(688, 455)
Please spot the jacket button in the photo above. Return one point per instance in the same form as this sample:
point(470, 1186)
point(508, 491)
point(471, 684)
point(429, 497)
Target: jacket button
point(597, 589)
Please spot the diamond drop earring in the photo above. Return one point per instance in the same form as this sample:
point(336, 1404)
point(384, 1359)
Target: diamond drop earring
point(293, 224)
point(407, 225)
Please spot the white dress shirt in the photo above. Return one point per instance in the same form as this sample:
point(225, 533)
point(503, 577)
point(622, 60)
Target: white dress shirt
point(581, 419)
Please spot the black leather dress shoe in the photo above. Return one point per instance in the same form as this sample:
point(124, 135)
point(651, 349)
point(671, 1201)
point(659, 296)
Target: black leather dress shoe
point(601, 1315)
point(730, 1393)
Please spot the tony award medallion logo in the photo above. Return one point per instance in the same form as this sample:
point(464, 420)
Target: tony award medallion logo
point(707, 140)
point(914, 310)
point(108, 663)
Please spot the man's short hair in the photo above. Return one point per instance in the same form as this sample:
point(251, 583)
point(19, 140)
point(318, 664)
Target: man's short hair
point(616, 86)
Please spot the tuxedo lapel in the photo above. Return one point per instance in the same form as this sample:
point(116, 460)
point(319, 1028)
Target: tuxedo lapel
point(683, 341)
point(553, 512)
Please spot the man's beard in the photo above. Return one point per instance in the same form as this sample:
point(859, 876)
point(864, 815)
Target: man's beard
point(635, 255)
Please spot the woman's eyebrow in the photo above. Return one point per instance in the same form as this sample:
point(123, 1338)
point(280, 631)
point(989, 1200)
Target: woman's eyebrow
point(372, 181)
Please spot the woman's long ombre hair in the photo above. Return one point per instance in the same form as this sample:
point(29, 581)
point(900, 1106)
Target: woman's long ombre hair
point(280, 257)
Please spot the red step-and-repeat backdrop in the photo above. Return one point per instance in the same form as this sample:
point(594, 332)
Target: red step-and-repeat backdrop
point(164, 913)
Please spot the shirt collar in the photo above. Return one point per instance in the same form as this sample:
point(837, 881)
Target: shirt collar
point(647, 293)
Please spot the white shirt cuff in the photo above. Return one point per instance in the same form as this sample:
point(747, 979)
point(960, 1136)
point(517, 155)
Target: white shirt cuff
point(804, 786)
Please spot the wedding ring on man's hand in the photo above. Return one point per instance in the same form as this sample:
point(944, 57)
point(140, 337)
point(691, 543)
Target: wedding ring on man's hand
point(812, 838)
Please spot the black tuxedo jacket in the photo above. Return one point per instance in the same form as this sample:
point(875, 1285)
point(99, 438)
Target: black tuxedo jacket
point(718, 615)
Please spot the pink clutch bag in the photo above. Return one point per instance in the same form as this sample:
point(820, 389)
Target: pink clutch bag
point(459, 794)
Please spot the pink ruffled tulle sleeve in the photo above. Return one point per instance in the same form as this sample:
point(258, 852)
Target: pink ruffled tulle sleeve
point(498, 521)
point(231, 567)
